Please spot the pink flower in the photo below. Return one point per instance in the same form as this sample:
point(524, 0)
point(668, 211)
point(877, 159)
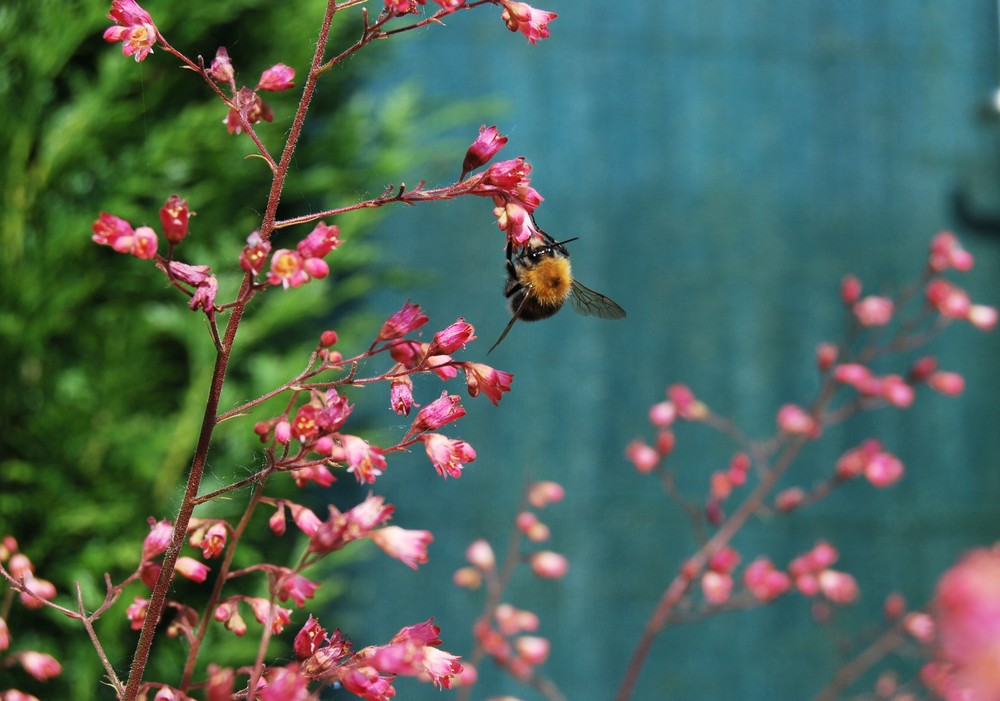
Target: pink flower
point(135, 29)
point(450, 5)
point(4, 635)
point(967, 612)
point(520, 16)
point(401, 395)
point(949, 300)
point(549, 565)
point(492, 382)
point(40, 665)
point(486, 145)
point(287, 269)
point(441, 411)
point(947, 252)
point(297, 587)
point(407, 546)
point(545, 492)
point(662, 414)
point(950, 383)
point(532, 649)
point(644, 457)
point(320, 241)
point(982, 317)
point(250, 106)
point(306, 519)
point(797, 421)
point(446, 454)
point(764, 581)
point(688, 406)
point(192, 569)
point(407, 319)
point(264, 610)
point(157, 539)
point(716, 587)
point(109, 230)
point(174, 217)
point(277, 77)
point(895, 390)
point(480, 554)
point(214, 541)
point(254, 254)
point(365, 681)
point(136, 613)
point(452, 338)
point(221, 68)
point(873, 311)
point(308, 639)
point(850, 289)
point(883, 469)
point(364, 461)
point(286, 684)
point(838, 587)
point(826, 356)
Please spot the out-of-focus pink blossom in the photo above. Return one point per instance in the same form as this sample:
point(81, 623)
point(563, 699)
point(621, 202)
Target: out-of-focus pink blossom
point(407, 546)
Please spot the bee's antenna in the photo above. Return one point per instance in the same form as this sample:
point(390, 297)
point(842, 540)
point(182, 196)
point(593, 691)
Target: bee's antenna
point(563, 243)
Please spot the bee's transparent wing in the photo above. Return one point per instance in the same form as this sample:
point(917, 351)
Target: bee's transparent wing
point(589, 303)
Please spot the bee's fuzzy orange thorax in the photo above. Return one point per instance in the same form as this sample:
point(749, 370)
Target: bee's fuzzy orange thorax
point(550, 280)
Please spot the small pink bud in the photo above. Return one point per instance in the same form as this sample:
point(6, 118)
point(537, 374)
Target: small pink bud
point(191, 569)
point(480, 554)
point(277, 77)
point(541, 494)
point(662, 414)
point(467, 578)
point(687, 406)
point(982, 317)
point(826, 356)
point(950, 383)
point(716, 587)
point(850, 289)
point(486, 145)
point(920, 626)
point(221, 69)
point(174, 218)
point(896, 391)
point(452, 338)
point(873, 311)
point(795, 420)
point(642, 456)
point(922, 368)
point(532, 649)
point(665, 442)
point(789, 499)
point(549, 565)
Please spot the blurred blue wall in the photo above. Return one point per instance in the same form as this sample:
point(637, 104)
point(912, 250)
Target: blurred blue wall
point(725, 163)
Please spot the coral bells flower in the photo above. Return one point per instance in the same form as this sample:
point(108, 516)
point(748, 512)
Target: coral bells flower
point(643, 456)
point(487, 144)
point(549, 565)
point(249, 106)
point(192, 569)
point(40, 665)
point(520, 16)
point(264, 610)
point(297, 587)
point(947, 252)
point(157, 539)
point(797, 421)
point(221, 70)
point(112, 231)
point(441, 411)
point(364, 461)
point(309, 639)
point(764, 581)
point(873, 311)
point(174, 217)
point(136, 613)
point(492, 382)
point(982, 317)
point(447, 454)
point(319, 242)
point(214, 541)
point(277, 77)
point(287, 269)
point(450, 339)
point(967, 612)
point(401, 395)
point(135, 29)
point(949, 300)
point(407, 319)
point(407, 546)
point(254, 254)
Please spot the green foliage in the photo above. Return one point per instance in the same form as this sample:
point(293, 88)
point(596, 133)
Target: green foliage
point(103, 369)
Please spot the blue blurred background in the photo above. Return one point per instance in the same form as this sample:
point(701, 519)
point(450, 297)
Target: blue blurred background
point(724, 164)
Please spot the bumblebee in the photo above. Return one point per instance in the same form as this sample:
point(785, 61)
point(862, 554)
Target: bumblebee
point(540, 280)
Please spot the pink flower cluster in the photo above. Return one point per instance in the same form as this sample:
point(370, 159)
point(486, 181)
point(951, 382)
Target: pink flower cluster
point(505, 633)
point(246, 107)
point(295, 268)
point(369, 672)
point(966, 630)
point(133, 27)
